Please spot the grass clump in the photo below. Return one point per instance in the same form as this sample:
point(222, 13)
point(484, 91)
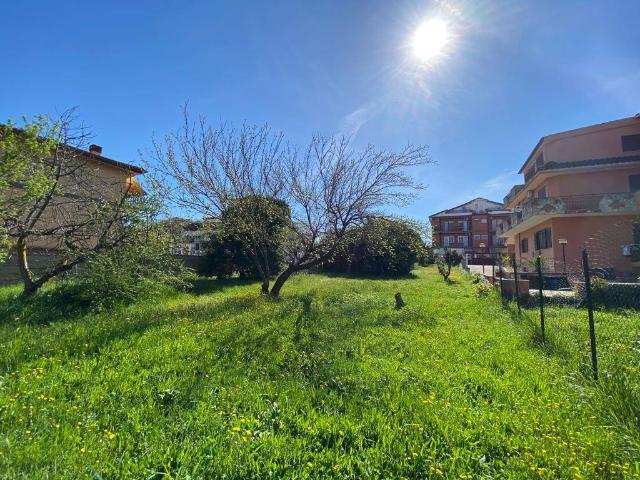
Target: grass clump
point(330, 381)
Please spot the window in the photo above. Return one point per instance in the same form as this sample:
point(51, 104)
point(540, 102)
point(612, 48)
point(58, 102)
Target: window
point(630, 143)
point(539, 161)
point(542, 193)
point(634, 183)
point(543, 239)
point(447, 226)
point(448, 240)
point(462, 240)
point(524, 245)
point(484, 220)
point(636, 233)
point(480, 236)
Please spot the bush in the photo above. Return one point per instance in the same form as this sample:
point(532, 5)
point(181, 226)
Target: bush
point(483, 289)
point(138, 267)
point(427, 257)
point(383, 247)
point(599, 291)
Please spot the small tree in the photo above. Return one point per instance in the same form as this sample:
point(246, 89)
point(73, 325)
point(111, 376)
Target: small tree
point(256, 225)
point(450, 258)
point(50, 195)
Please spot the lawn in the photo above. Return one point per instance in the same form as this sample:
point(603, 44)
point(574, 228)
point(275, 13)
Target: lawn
point(328, 382)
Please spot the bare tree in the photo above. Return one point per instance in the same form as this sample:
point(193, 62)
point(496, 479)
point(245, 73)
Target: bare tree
point(333, 187)
point(211, 171)
point(329, 187)
point(53, 197)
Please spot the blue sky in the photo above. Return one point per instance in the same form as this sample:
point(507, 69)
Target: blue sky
point(511, 72)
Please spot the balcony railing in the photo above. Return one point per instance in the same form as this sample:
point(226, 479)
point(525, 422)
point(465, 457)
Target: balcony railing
point(624, 202)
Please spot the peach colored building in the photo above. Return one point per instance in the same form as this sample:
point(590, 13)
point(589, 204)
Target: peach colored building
point(581, 190)
point(470, 229)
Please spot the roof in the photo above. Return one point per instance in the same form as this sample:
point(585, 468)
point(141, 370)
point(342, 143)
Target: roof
point(99, 158)
point(459, 209)
point(115, 163)
point(575, 130)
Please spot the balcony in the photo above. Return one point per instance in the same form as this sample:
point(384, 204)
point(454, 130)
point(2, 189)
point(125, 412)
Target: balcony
point(512, 193)
point(599, 204)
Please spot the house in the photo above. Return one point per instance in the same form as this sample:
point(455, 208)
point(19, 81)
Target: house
point(86, 177)
point(93, 172)
point(581, 189)
point(470, 229)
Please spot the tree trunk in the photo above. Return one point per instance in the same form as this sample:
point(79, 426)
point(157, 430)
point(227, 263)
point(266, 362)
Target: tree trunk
point(30, 287)
point(265, 286)
point(283, 277)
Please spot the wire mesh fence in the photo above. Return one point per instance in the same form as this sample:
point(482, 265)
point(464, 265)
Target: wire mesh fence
point(580, 304)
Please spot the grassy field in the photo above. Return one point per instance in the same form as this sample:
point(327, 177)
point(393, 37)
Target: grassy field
point(328, 382)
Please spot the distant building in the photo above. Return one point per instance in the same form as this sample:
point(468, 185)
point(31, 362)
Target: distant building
point(190, 238)
point(581, 189)
point(470, 229)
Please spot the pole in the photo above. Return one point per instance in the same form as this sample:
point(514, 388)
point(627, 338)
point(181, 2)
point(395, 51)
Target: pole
point(592, 328)
point(564, 260)
point(515, 277)
point(540, 280)
point(500, 272)
point(493, 270)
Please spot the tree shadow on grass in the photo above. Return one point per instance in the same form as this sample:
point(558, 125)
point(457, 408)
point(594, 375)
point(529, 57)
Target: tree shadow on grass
point(207, 286)
point(92, 334)
point(359, 276)
point(60, 302)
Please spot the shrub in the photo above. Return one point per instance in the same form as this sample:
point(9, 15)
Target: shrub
point(426, 257)
point(385, 247)
point(138, 267)
point(449, 259)
point(483, 289)
point(599, 291)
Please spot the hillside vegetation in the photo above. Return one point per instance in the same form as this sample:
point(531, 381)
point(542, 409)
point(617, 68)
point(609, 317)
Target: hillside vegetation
point(329, 381)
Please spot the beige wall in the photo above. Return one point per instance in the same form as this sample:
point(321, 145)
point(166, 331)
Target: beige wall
point(100, 180)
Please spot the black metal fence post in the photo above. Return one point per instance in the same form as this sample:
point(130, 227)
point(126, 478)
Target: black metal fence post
point(500, 272)
point(515, 277)
point(540, 284)
point(592, 328)
point(493, 270)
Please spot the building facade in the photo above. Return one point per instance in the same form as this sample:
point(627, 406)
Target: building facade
point(470, 229)
point(581, 190)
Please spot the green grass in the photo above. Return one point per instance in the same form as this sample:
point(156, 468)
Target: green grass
point(328, 382)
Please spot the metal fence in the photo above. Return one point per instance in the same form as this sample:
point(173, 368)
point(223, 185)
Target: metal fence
point(588, 287)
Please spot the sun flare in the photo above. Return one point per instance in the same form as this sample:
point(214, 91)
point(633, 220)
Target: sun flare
point(430, 39)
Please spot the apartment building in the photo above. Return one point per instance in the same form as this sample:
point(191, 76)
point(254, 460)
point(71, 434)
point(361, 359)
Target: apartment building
point(470, 229)
point(581, 189)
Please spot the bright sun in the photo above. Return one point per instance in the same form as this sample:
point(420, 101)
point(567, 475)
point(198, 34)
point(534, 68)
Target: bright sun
point(430, 39)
